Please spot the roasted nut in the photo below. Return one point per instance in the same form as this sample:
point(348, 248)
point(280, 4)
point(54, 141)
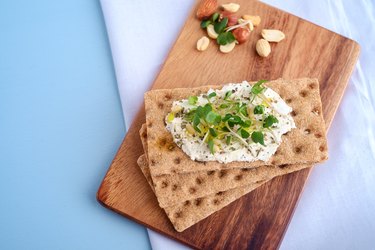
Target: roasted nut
point(228, 47)
point(254, 19)
point(231, 7)
point(211, 31)
point(232, 18)
point(273, 35)
point(202, 44)
point(241, 35)
point(206, 9)
point(263, 48)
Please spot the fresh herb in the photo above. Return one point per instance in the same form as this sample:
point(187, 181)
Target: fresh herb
point(220, 26)
point(259, 109)
point(269, 121)
point(227, 95)
point(215, 16)
point(205, 23)
point(244, 134)
point(192, 100)
point(213, 118)
point(258, 137)
point(212, 95)
point(258, 88)
point(225, 38)
point(228, 139)
point(213, 132)
point(210, 143)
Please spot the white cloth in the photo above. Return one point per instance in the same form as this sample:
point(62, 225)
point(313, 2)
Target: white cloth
point(337, 208)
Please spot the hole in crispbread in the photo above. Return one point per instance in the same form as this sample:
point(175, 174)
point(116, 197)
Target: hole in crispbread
point(312, 85)
point(322, 148)
point(160, 105)
point(307, 131)
point(219, 193)
point(238, 177)
point(318, 135)
point(192, 190)
point(186, 203)
point(245, 169)
point(177, 160)
point(216, 202)
point(167, 97)
point(316, 111)
point(288, 100)
point(210, 172)
point(198, 201)
point(298, 150)
point(149, 124)
point(222, 173)
point(164, 184)
point(283, 166)
point(174, 187)
point(162, 141)
point(303, 93)
point(153, 162)
point(293, 113)
point(199, 180)
point(178, 215)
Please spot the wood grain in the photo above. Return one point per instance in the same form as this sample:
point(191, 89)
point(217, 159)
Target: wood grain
point(259, 219)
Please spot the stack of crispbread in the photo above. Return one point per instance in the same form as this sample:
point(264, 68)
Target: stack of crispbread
point(189, 191)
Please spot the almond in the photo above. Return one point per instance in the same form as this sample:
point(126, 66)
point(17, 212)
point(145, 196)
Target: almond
point(231, 7)
point(273, 35)
point(263, 48)
point(206, 8)
point(202, 44)
point(254, 19)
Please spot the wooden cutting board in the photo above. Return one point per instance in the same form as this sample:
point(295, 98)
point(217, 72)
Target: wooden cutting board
point(259, 219)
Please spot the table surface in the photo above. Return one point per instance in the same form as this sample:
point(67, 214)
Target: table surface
point(60, 126)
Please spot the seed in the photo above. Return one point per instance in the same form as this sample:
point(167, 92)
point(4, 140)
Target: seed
point(228, 47)
point(273, 35)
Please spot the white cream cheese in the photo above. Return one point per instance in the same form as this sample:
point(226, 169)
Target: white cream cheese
point(195, 144)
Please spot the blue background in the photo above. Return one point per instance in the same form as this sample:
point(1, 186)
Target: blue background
point(60, 126)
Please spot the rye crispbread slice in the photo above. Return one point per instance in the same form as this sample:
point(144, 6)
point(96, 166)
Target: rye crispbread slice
point(304, 145)
point(174, 188)
point(190, 212)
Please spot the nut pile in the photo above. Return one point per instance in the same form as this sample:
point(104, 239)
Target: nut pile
point(228, 29)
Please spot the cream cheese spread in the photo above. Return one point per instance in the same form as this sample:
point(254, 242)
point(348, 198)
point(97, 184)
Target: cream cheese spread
point(239, 122)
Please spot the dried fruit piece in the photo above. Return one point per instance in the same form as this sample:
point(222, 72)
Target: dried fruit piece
point(206, 9)
point(228, 47)
point(232, 18)
point(254, 19)
point(263, 47)
point(241, 34)
point(231, 7)
point(202, 44)
point(273, 35)
point(211, 31)
point(249, 23)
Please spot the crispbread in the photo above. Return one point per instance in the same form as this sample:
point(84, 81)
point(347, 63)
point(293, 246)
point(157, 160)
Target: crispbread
point(174, 188)
point(304, 145)
point(189, 212)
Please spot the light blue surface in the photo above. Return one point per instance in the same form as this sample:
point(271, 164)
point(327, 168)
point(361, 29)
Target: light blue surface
point(60, 126)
